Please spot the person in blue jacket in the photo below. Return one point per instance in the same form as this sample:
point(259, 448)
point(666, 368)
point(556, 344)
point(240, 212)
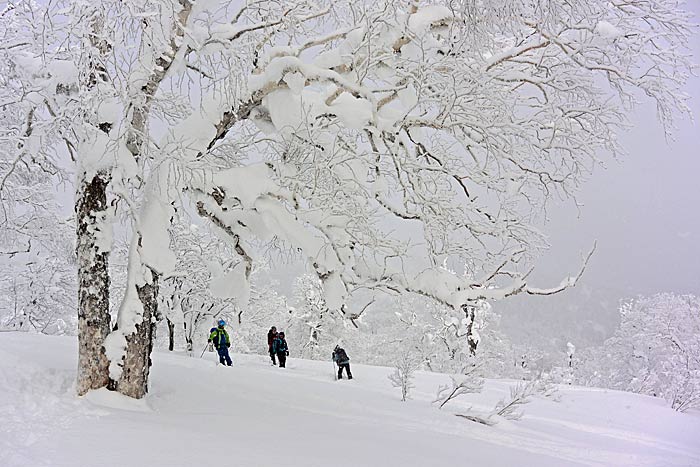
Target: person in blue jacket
point(279, 348)
point(219, 337)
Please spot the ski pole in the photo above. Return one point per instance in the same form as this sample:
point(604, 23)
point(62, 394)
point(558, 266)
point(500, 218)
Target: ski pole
point(204, 350)
point(335, 375)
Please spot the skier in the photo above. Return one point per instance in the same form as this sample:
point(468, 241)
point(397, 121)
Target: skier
point(279, 347)
point(271, 334)
point(219, 337)
point(340, 357)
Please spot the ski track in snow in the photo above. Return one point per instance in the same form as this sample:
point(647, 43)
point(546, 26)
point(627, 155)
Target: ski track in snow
point(256, 414)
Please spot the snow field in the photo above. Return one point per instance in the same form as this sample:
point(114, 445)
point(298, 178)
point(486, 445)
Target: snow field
point(254, 414)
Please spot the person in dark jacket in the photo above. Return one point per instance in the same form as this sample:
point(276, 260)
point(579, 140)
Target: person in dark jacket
point(271, 334)
point(219, 337)
point(279, 348)
point(340, 357)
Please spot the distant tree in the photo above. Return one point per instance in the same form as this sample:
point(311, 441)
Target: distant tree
point(38, 291)
point(185, 300)
point(445, 339)
point(655, 351)
point(315, 327)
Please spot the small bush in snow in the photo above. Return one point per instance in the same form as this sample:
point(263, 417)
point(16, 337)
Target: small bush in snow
point(520, 394)
point(468, 383)
point(545, 386)
point(402, 376)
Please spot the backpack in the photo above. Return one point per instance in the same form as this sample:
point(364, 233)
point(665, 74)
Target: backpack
point(279, 344)
point(219, 337)
point(341, 357)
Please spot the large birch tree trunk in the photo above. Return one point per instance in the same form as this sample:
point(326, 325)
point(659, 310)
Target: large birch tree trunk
point(91, 208)
point(93, 290)
point(136, 362)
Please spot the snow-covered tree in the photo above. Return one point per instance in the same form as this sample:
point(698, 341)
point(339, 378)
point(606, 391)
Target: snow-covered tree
point(377, 140)
point(655, 351)
point(186, 303)
point(412, 323)
point(313, 326)
point(267, 308)
point(440, 335)
point(37, 279)
point(38, 291)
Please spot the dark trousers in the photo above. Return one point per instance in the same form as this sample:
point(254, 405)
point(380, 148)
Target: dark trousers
point(347, 370)
point(224, 358)
point(272, 356)
point(282, 357)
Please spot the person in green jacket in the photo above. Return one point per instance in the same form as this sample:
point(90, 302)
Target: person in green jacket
point(219, 337)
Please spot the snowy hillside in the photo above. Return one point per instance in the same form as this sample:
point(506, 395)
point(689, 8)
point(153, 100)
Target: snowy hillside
point(253, 414)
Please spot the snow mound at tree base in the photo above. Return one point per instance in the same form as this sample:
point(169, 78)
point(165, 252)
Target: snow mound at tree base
point(255, 414)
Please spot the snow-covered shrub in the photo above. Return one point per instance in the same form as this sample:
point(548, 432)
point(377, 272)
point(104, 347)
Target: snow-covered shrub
point(510, 407)
point(546, 386)
point(469, 383)
point(520, 394)
point(529, 360)
point(404, 367)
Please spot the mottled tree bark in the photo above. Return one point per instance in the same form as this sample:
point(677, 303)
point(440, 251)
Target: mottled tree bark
point(171, 334)
point(93, 289)
point(188, 339)
point(133, 381)
point(469, 311)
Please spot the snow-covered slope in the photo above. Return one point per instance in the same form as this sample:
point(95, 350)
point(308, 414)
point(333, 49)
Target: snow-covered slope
point(257, 415)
